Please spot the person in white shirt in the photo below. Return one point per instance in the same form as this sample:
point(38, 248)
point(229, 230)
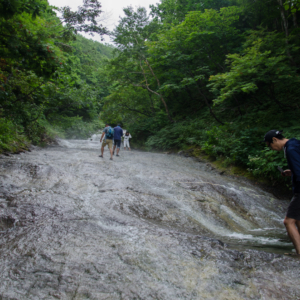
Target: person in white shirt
point(127, 136)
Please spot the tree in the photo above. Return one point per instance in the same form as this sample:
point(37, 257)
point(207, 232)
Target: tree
point(84, 20)
point(174, 11)
point(261, 74)
point(132, 65)
point(34, 48)
point(187, 54)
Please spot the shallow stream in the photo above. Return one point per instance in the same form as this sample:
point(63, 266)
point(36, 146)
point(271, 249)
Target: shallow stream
point(143, 226)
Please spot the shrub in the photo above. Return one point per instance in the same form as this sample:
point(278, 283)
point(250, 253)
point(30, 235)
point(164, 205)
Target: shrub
point(10, 138)
point(233, 144)
point(265, 163)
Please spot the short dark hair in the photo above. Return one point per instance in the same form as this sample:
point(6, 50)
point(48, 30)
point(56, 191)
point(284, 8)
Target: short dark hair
point(273, 133)
point(280, 137)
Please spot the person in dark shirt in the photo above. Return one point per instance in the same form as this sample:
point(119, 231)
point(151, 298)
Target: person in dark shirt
point(118, 133)
point(291, 147)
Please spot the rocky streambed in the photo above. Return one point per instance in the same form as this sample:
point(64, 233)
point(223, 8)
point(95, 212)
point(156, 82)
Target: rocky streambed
point(143, 226)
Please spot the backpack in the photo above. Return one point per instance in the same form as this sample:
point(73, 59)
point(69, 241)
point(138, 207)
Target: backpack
point(110, 133)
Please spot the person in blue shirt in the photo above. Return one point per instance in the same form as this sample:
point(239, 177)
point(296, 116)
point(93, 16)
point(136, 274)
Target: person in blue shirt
point(291, 147)
point(118, 133)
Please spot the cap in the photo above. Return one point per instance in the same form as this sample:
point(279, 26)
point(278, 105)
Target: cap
point(270, 134)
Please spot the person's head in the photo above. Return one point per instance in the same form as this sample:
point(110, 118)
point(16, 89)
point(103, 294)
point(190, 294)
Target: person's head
point(127, 133)
point(106, 125)
point(275, 140)
point(119, 125)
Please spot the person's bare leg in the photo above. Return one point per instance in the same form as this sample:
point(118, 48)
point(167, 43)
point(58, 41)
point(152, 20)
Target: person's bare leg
point(118, 149)
point(129, 149)
point(111, 153)
point(298, 225)
point(293, 233)
point(102, 150)
point(114, 149)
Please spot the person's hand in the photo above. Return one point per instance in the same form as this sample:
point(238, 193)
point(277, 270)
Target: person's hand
point(286, 173)
point(100, 140)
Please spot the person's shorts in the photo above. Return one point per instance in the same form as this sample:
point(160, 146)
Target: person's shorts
point(126, 143)
point(107, 142)
point(117, 143)
point(293, 211)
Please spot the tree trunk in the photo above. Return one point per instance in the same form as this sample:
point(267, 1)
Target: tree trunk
point(206, 102)
point(158, 83)
point(152, 104)
point(286, 30)
point(283, 18)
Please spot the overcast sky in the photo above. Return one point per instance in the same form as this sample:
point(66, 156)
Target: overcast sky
point(112, 9)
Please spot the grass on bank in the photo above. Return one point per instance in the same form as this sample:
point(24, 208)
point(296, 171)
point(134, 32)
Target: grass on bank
point(10, 138)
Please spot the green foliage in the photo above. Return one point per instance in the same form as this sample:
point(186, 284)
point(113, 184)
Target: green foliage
point(265, 163)
point(234, 144)
point(170, 137)
point(262, 67)
point(47, 77)
point(82, 130)
point(179, 54)
point(10, 139)
point(292, 6)
point(178, 135)
point(84, 20)
point(174, 11)
point(260, 13)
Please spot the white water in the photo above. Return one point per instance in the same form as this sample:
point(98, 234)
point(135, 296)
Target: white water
point(247, 230)
point(143, 226)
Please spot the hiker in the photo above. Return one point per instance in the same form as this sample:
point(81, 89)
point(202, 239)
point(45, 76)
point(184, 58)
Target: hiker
point(291, 147)
point(108, 140)
point(118, 133)
point(127, 136)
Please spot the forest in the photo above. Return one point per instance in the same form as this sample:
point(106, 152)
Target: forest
point(212, 75)
point(51, 77)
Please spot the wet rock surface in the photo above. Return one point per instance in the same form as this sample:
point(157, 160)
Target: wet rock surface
point(144, 226)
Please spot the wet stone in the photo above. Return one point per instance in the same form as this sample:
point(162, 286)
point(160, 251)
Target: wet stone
point(6, 222)
point(150, 226)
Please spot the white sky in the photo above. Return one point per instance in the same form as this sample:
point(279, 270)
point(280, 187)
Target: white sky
point(112, 9)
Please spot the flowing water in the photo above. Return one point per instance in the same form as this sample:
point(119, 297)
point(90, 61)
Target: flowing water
point(143, 226)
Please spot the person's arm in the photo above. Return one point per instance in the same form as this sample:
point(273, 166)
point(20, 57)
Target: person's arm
point(130, 136)
point(286, 173)
point(293, 154)
point(102, 136)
